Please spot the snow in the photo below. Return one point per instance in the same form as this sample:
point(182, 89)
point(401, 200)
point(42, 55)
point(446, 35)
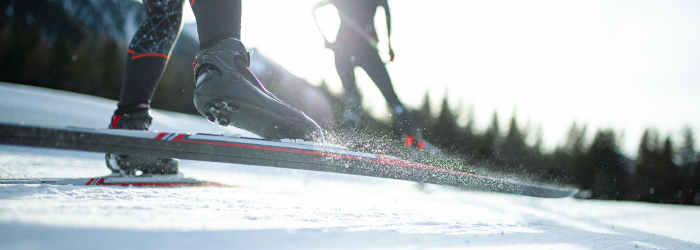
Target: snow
point(271, 208)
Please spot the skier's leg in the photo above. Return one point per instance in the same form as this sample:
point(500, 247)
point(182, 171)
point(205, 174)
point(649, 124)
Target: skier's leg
point(375, 68)
point(217, 20)
point(352, 99)
point(226, 90)
point(147, 55)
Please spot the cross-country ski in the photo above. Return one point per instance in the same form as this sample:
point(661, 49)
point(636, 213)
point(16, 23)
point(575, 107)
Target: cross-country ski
point(294, 155)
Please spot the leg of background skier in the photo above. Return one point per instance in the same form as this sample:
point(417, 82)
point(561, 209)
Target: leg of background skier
point(356, 45)
point(147, 56)
point(344, 64)
point(226, 90)
point(375, 68)
point(348, 55)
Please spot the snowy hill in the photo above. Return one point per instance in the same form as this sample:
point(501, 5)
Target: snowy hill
point(274, 208)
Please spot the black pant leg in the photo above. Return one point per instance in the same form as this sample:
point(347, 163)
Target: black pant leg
point(370, 61)
point(217, 20)
point(149, 50)
point(345, 66)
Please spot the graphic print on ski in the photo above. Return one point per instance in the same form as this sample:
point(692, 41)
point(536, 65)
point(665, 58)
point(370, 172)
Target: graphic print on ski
point(305, 156)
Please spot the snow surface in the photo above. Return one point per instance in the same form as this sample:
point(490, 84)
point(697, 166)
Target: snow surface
point(273, 208)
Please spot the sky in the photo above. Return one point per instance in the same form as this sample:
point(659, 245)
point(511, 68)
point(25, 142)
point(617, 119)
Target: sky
point(626, 65)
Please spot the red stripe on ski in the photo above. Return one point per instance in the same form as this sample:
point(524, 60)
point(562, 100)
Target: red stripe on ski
point(90, 181)
point(380, 159)
point(100, 181)
point(160, 136)
point(179, 137)
point(269, 148)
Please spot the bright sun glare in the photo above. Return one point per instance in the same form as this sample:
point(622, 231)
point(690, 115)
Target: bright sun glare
point(621, 64)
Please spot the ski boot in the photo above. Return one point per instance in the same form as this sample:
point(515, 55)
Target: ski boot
point(351, 119)
point(352, 114)
point(405, 127)
point(227, 93)
point(137, 165)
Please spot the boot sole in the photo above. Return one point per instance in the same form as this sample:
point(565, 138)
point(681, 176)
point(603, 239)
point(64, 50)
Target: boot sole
point(220, 111)
point(239, 114)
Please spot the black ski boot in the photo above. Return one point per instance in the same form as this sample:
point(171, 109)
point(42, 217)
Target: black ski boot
point(228, 93)
point(406, 128)
point(352, 114)
point(137, 165)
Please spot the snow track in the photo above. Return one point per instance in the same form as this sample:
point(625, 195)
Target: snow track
point(288, 209)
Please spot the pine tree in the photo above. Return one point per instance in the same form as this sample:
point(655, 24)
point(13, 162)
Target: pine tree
point(513, 149)
point(688, 160)
point(658, 177)
point(490, 140)
point(643, 187)
point(445, 127)
point(572, 155)
point(537, 146)
point(607, 166)
point(466, 145)
point(424, 117)
point(695, 184)
point(686, 152)
point(61, 60)
point(111, 78)
point(575, 144)
point(15, 63)
point(668, 174)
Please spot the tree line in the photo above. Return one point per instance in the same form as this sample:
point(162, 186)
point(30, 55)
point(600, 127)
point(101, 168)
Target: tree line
point(663, 171)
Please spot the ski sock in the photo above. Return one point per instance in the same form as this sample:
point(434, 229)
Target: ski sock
point(126, 109)
point(217, 20)
point(141, 80)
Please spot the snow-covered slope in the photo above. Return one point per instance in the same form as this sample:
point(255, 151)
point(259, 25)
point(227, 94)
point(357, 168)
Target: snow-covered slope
point(285, 209)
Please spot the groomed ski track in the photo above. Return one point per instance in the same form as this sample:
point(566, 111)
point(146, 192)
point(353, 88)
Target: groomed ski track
point(273, 208)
